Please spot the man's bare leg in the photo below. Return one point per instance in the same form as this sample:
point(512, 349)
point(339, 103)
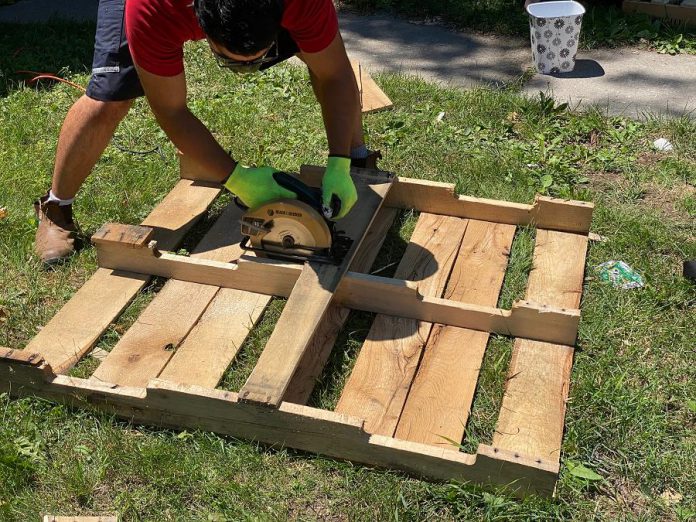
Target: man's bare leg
point(87, 130)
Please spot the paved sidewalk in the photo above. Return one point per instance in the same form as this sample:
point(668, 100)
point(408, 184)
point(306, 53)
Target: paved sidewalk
point(623, 81)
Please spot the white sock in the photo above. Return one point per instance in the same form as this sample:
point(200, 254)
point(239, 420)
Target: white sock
point(52, 198)
point(360, 152)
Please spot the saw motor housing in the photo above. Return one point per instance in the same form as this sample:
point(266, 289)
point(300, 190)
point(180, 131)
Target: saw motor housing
point(294, 229)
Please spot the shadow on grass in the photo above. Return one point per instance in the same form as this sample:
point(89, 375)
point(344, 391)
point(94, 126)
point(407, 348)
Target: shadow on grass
point(56, 47)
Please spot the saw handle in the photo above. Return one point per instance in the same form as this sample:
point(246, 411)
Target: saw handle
point(305, 193)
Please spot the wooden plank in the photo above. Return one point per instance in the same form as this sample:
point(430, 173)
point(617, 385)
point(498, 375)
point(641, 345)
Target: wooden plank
point(402, 299)
point(533, 409)
point(214, 342)
point(440, 198)
point(318, 431)
point(307, 306)
point(132, 236)
point(149, 344)
point(318, 350)
point(438, 404)
point(247, 273)
point(558, 270)
point(76, 327)
point(383, 372)
point(372, 98)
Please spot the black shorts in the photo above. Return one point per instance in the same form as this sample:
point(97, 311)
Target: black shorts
point(114, 77)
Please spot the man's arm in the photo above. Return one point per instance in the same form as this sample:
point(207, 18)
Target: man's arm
point(167, 98)
point(337, 93)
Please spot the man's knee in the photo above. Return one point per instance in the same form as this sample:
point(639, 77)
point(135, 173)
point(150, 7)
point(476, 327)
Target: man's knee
point(109, 110)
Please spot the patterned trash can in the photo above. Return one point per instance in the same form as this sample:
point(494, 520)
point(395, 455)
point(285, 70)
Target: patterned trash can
point(554, 32)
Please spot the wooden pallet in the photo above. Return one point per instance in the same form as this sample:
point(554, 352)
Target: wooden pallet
point(415, 377)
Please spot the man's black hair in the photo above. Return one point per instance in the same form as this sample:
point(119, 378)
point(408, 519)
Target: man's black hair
point(243, 27)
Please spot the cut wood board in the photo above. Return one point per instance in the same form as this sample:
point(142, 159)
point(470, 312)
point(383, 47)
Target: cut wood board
point(438, 404)
point(146, 348)
point(307, 306)
point(383, 372)
point(533, 408)
point(76, 327)
point(372, 98)
point(319, 349)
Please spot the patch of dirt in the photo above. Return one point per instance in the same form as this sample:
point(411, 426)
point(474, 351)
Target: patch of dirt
point(318, 508)
point(622, 497)
point(606, 181)
point(650, 158)
point(666, 199)
point(654, 196)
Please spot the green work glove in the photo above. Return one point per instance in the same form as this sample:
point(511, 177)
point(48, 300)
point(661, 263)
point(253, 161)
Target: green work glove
point(255, 186)
point(337, 188)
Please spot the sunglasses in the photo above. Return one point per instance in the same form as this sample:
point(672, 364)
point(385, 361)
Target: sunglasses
point(247, 65)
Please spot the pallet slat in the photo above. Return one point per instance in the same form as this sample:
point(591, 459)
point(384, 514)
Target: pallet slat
point(440, 198)
point(214, 342)
point(383, 372)
point(307, 306)
point(319, 349)
point(438, 404)
point(533, 409)
point(372, 97)
point(72, 332)
point(146, 348)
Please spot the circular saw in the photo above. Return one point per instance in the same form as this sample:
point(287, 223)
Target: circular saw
point(294, 229)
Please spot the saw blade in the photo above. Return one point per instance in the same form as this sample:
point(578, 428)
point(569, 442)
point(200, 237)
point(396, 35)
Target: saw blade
point(289, 226)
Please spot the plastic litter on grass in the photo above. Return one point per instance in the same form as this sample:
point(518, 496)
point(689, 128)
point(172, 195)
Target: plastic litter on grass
point(620, 275)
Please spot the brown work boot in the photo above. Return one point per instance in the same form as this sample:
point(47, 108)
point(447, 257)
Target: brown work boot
point(55, 237)
point(369, 162)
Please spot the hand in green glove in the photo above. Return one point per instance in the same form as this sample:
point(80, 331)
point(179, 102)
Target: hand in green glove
point(337, 188)
point(255, 186)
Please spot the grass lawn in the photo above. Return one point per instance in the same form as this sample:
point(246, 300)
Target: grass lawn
point(604, 24)
point(632, 408)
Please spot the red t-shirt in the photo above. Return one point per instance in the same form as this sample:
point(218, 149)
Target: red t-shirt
point(157, 30)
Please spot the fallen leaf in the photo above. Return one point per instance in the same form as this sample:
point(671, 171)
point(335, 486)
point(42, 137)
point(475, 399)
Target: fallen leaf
point(3, 212)
point(578, 470)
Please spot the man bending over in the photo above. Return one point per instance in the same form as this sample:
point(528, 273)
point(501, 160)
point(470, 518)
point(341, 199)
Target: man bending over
point(139, 51)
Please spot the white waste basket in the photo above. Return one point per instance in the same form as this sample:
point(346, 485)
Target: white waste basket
point(555, 31)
